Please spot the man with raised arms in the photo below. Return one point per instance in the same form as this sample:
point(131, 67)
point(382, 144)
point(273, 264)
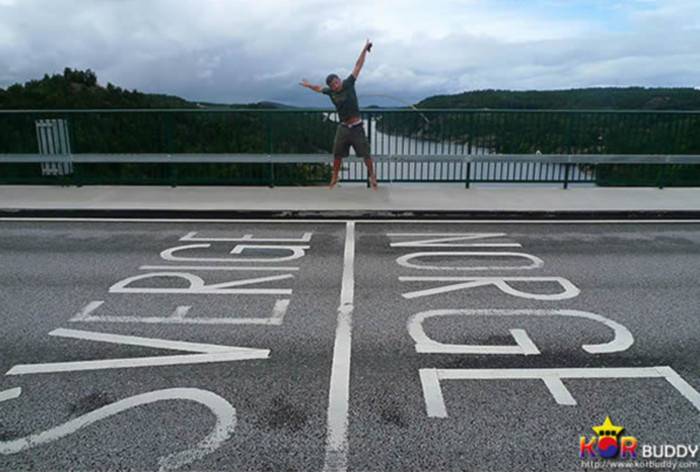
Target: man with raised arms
point(350, 131)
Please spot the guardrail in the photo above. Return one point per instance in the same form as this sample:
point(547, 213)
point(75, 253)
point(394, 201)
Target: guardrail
point(278, 147)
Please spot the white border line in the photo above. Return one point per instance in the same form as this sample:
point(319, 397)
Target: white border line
point(338, 221)
point(337, 446)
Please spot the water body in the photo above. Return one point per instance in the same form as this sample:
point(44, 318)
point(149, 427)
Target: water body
point(444, 165)
point(384, 144)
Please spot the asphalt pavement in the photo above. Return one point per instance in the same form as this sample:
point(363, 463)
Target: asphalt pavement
point(345, 345)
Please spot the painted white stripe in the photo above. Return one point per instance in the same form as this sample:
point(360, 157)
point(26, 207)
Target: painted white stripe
point(233, 291)
point(305, 238)
point(347, 291)
point(223, 411)
point(179, 267)
point(448, 240)
point(328, 221)
point(133, 362)
point(432, 393)
point(523, 340)
point(337, 446)
point(565, 372)
point(297, 253)
point(570, 290)
point(681, 385)
point(462, 236)
point(435, 405)
point(197, 285)
point(279, 311)
point(275, 321)
point(559, 391)
point(211, 353)
point(180, 312)
point(140, 341)
point(426, 244)
point(10, 394)
point(87, 310)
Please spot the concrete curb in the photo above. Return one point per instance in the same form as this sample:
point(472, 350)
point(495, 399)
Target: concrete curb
point(356, 214)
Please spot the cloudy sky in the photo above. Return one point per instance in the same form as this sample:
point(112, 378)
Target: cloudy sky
point(241, 51)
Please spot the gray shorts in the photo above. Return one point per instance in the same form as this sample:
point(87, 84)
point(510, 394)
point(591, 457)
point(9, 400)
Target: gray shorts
point(355, 137)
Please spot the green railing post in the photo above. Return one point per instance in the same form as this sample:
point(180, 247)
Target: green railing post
point(469, 168)
point(569, 148)
point(168, 130)
point(660, 178)
point(75, 176)
point(369, 138)
point(271, 169)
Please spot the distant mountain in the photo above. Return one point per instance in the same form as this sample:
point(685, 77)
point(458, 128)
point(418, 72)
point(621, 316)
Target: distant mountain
point(256, 106)
point(629, 98)
point(75, 89)
point(79, 89)
point(275, 105)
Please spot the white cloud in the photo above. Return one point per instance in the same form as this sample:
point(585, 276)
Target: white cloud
point(243, 51)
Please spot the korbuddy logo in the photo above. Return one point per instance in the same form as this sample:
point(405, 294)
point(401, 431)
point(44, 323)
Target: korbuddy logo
point(608, 443)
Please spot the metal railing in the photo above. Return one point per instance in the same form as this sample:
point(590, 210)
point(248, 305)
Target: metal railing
point(293, 146)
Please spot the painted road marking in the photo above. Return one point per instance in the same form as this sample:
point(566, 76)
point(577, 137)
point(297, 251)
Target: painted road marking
point(570, 290)
point(622, 337)
point(279, 311)
point(223, 411)
point(305, 238)
point(230, 268)
point(337, 446)
point(337, 439)
point(449, 240)
point(180, 312)
point(403, 260)
point(209, 353)
point(10, 394)
point(552, 378)
point(197, 285)
point(204, 353)
point(297, 253)
point(87, 310)
point(435, 402)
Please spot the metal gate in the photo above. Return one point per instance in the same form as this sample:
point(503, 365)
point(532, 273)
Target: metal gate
point(54, 141)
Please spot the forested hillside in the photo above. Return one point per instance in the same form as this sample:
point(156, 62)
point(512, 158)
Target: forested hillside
point(79, 89)
point(197, 128)
point(608, 98)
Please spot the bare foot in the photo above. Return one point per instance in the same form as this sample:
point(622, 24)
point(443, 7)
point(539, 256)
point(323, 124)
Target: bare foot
point(332, 184)
point(373, 183)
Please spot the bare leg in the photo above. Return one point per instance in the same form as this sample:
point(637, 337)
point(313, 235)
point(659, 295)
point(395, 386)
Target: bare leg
point(370, 172)
point(336, 170)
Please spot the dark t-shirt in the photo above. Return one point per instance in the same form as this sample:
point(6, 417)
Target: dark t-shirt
point(345, 101)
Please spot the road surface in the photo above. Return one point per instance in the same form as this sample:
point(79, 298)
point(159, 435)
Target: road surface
point(345, 345)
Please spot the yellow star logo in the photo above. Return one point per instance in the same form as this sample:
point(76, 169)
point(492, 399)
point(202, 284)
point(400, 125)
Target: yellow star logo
point(608, 429)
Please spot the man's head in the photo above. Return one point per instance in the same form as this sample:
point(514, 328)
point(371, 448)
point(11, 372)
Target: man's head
point(334, 82)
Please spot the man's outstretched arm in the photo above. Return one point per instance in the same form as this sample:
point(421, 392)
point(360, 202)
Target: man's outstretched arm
point(315, 88)
point(361, 60)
